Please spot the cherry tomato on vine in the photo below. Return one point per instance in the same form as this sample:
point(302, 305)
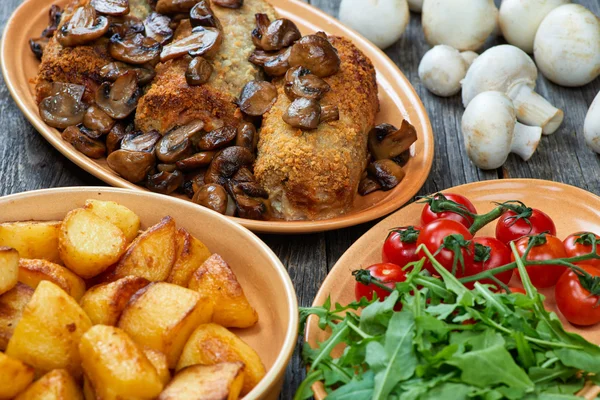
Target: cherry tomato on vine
point(517, 290)
point(579, 244)
point(576, 303)
point(455, 240)
point(428, 216)
point(549, 247)
point(523, 221)
point(388, 273)
point(400, 246)
point(490, 253)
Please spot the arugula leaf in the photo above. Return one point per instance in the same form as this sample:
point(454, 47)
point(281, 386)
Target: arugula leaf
point(374, 319)
point(449, 390)
point(524, 350)
point(305, 389)
point(477, 340)
point(355, 390)
point(541, 375)
point(338, 334)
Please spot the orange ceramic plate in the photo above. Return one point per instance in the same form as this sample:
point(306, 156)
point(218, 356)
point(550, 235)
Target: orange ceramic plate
point(571, 208)
point(398, 100)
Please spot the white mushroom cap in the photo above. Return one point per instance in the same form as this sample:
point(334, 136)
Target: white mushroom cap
point(381, 21)
point(469, 57)
point(441, 70)
point(415, 5)
point(520, 20)
point(591, 127)
point(567, 46)
point(491, 131)
point(462, 24)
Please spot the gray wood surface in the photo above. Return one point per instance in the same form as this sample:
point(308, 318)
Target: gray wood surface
point(28, 162)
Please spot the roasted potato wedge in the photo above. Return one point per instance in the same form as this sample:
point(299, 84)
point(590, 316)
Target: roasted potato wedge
point(216, 281)
point(48, 333)
point(89, 244)
point(159, 361)
point(15, 376)
point(9, 268)
point(206, 382)
point(57, 384)
point(116, 367)
point(12, 304)
point(89, 393)
point(191, 254)
point(211, 344)
point(125, 219)
point(104, 303)
point(32, 239)
point(151, 255)
point(162, 316)
point(32, 272)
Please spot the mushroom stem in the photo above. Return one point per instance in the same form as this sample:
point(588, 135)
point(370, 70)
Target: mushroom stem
point(525, 140)
point(532, 109)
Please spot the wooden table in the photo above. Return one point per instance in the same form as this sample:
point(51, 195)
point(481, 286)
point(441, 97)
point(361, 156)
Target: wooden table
point(28, 162)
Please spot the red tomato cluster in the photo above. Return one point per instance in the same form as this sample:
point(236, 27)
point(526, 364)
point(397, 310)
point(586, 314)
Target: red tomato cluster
point(446, 235)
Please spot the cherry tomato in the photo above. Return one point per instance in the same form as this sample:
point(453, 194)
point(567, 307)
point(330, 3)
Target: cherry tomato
point(491, 253)
point(576, 303)
point(400, 247)
point(448, 232)
point(513, 225)
point(543, 276)
point(388, 273)
point(579, 244)
point(517, 290)
point(428, 216)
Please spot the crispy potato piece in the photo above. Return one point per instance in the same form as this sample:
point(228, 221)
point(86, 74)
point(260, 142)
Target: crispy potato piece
point(89, 393)
point(121, 216)
point(88, 244)
point(159, 361)
point(116, 367)
point(9, 268)
point(215, 280)
point(57, 384)
point(15, 376)
point(32, 272)
point(33, 239)
point(206, 382)
point(211, 344)
point(191, 254)
point(12, 304)
point(162, 316)
point(104, 303)
point(151, 255)
point(49, 330)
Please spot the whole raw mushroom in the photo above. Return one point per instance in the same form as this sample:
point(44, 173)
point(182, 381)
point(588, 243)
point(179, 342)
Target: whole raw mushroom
point(442, 69)
point(469, 57)
point(591, 127)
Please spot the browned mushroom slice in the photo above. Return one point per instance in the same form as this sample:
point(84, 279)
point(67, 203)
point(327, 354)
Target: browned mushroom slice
point(229, 3)
point(114, 137)
point(119, 99)
point(198, 160)
point(274, 64)
point(252, 189)
point(38, 46)
point(90, 147)
point(303, 113)
point(226, 163)
point(157, 27)
point(387, 173)
point(385, 141)
point(198, 72)
point(276, 35)
point(177, 144)
point(124, 25)
point(134, 49)
point(317, 54)
point(202, 15)
point(140, 141)
point(243, 175)
point(257, 98)
point(247, 136)
point(247, 206)
point(131, 165)
point(97, 120)
point(64, 108)
point(164, 182)
point(217, 138)
point(202, 41)
point(329, 113)
point(114, 70)
point(111, 7)
point(368, 185)
point(212, 196)
point(166, 167)
point(174, 6)
point(299, 82)
point(82, 28)
point(54, 17)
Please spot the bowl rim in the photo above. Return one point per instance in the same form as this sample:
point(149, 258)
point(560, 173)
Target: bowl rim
point(277, 371)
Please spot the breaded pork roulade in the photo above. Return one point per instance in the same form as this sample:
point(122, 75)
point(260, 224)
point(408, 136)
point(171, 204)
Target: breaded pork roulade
point(312, 175)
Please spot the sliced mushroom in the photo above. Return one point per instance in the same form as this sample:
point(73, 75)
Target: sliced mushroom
point(276, 35)
point(274, 64)
point(198, 160)
point(202, 15)
point(303, 113)
point(299, 82)
point(226, 163)
point(64, 108)
point(385, 141)
point(131, 165)
point(111, 7)
point(174, 6)
point(192, 182)
point(54, 17)
point(198, 72)
point(243, 175)
point(368, 185)
point(257, 98)
point(164, 182)
point(329, 113)
point(166, 167)
point(141, 141)
point(97, 120)
point(134, 49)
point(387, 173)
point(125, 26)
point(202, 42)
point(229, 3)
point(177, 144)
point(252, 189)
point(247, 206)
point(157, 27)
point(120, 98)
point(92, 134)
point(114, 137)
point(317, 54)
point(38, 46)
point(247, 136)
point(82, 28)
point(217, 138)
point(212, 196)
point(90, 147)
point(114, 70)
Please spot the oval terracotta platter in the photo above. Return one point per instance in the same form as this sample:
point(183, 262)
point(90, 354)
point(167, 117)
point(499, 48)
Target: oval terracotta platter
point(571, 208)
point(397, 97)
